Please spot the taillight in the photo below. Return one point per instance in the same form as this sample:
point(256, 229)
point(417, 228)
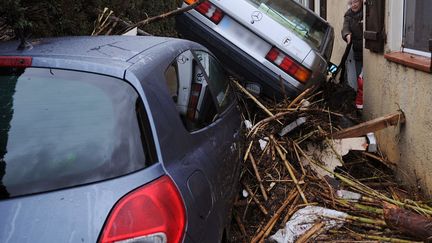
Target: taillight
point(152, 213)
point(288, 65)
point(209, 10)
point(15, 61)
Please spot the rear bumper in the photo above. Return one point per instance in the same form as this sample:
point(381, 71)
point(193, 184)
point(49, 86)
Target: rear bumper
point(234, 59)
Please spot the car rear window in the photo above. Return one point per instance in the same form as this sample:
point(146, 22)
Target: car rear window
point(65, 128)
point(306, 25)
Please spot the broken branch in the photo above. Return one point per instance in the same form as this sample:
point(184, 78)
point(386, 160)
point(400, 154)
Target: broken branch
point(165, 15)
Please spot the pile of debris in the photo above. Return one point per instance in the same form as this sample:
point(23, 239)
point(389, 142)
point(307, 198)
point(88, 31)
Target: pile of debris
point(306, 178)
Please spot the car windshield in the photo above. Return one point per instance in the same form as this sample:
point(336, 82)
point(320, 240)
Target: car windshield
point(64, 128)
point(297, 19)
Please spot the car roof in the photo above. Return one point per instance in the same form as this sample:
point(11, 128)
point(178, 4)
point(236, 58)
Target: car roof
point(108, 55)
point(118, 48)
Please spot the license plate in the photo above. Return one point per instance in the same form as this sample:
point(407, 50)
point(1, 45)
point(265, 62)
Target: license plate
point(241, 36)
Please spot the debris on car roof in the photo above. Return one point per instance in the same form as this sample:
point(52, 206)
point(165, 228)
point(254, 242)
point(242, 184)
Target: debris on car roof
point(286, 176)
point(109, 24)
point(6, 31)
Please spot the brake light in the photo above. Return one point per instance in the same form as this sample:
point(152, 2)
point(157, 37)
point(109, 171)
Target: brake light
point(15, 61)
point(209, 10)
point(288, 65)
point(152, 213)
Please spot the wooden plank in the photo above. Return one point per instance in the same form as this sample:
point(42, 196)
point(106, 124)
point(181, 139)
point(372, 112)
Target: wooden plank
point(371, 126)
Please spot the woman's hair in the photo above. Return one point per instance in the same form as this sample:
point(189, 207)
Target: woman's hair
point(349, 2)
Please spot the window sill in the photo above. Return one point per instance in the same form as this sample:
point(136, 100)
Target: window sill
point(410, 60)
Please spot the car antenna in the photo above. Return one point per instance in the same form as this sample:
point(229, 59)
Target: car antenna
point(24, 44)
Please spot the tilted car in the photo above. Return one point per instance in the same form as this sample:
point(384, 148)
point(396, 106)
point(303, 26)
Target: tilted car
point(278, 44)
point(115, 139)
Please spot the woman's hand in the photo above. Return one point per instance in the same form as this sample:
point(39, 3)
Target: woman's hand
point(348, 38)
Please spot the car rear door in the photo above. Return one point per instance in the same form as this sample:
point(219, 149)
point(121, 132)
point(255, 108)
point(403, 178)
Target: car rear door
point(205, 104)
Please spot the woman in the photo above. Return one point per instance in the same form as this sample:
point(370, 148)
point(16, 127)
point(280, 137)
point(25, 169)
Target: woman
point(352, 31)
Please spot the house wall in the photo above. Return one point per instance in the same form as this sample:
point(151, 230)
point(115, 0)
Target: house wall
point(335, 12)
point(389, 87)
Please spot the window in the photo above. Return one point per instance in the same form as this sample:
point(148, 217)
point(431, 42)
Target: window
point(418, 28)
point(406, 39)
point(297, 19)
point(305, 3)
point(199, 88)
point(64, 128)
point(218, 83)
point(318, 6)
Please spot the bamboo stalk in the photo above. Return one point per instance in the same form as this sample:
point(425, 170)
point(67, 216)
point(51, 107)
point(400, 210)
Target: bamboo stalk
point(377, 222)
point(384, 161)
point(314, 95)
point(300, 97)
point(354, 205)
point(255, 168)
point(311, 232)
point(287, 112)
point(374, 193)
point(366, 208)
point(247, 151)
point(299, 160)
point(290, 171)
point(275, 217)
point(254, 99)
point(268, 231)
point(366, 190)
point(241, 226)
point(383, 239)
point(291, 211)
point(260, 206)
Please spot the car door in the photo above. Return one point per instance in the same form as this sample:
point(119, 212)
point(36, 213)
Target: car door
point(206, 105)
point(226, 134)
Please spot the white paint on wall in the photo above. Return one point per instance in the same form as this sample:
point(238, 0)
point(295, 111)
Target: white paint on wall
point(395, 16)
point(317, 4)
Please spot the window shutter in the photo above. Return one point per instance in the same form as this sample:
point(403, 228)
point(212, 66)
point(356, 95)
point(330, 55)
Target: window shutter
point(374, 32)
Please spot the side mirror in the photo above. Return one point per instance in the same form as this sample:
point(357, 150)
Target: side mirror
point(332, 68)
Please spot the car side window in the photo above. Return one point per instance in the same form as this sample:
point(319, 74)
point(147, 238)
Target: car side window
point(188, 85)
point(217, 80)
point(172, 81)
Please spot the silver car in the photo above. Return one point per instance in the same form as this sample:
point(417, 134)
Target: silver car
point(116, 139)
point(264, 42)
